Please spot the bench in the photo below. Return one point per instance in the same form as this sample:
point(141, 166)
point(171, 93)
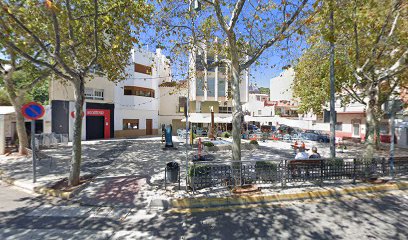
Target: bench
point(296, 167)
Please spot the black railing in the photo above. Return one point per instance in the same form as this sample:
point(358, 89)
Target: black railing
point(230, 173)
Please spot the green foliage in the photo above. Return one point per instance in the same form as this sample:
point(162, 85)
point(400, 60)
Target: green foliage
point(225, 135)
point(264, 90)
point(4, 99)
point(253, 142)
point(373, 47)
point(338, 163)
point(208, 144)
point(199, 170)
point(263, 165)
point(74, 45)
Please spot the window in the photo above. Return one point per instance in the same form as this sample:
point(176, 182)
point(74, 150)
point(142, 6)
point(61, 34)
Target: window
point(221, 81)
point(259, 112)
point(225, 109)
point(210, 84)
point(138, 91)
point(200, 84)
point(96, 94)
point(339, 126)
point(182, 104)
point(143, 69)
point(129, 124)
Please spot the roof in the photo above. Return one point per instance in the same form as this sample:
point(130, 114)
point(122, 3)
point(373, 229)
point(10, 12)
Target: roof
point(6, 110)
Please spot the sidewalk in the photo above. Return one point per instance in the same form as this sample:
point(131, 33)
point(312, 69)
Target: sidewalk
point(97, 156)
point(130, 173)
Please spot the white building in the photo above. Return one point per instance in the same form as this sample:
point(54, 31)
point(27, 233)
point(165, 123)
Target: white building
point(211, 88)
point(257, 105)
point(281, 86)
point(127, 109)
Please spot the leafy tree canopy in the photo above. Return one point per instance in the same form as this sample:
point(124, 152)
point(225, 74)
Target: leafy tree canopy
point(371, 40)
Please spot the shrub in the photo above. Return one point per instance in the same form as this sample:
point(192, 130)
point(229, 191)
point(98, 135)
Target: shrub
point(225, 135)
point(208, 144)
point(199, 170)
point(253, 142)
point(261, 165)
point(339, 163)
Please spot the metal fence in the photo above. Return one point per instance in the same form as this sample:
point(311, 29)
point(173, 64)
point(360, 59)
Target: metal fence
point(230, 173)
point(46, 140)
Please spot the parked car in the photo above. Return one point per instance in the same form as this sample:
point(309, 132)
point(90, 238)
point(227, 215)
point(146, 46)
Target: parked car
point(268, 128)
point(284, 129)
point(315, 135)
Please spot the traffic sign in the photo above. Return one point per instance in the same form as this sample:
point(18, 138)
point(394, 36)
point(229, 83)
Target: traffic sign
point(33, 110)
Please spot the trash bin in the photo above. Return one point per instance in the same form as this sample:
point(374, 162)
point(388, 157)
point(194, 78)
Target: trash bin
point(172, 169)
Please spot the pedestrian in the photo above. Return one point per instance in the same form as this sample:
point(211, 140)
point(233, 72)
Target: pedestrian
point(295, 147)
point(314, 154)
point(301, 154)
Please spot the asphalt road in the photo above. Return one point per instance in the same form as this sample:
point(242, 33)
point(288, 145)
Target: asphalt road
point(24, 216)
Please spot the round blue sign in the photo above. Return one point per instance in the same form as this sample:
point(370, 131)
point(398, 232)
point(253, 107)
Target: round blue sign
point(33, 110)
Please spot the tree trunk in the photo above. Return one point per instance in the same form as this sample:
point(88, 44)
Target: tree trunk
point(237, 111)
point(79, 92)
point(20, 126)
point(377, 121)
point(17, 100)
point(371, 125)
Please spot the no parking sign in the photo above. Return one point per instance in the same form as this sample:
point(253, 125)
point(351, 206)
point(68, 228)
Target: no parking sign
point(33, 111)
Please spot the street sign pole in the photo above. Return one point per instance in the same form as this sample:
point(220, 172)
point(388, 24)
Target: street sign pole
point(33, 150)
point(33, 111)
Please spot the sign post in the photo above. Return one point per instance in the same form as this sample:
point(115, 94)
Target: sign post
point(33, 111)
point(33, 150)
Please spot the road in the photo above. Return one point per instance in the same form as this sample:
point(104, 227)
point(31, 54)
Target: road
point(24, 216)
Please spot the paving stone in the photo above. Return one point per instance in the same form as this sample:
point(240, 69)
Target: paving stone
point(68, 211)
point(101, 212)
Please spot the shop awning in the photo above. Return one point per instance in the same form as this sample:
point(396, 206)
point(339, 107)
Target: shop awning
point(206, 118)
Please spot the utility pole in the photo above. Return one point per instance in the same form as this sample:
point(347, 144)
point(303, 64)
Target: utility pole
point(332, 90)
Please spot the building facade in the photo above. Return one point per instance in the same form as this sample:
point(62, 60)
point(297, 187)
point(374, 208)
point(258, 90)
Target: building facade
point(126, 109)
point(173, 103)
point(210, 88)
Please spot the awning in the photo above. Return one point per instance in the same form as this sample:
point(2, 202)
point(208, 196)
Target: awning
point(197, 118)
point(223, 119)
point(206, 118)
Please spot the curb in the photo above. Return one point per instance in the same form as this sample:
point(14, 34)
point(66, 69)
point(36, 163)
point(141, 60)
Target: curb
point(43, 190)
point(200, 204)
